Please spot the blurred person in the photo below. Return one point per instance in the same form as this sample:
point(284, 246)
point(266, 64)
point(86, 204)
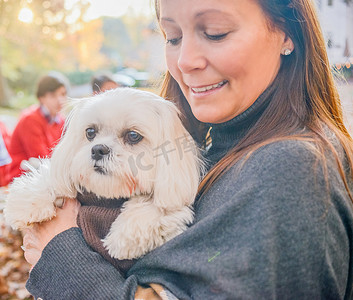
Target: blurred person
point(103, 82)
point(5, 157)
point(40, 126)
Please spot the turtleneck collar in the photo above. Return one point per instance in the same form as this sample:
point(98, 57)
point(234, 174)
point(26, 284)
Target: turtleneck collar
point(226, 135)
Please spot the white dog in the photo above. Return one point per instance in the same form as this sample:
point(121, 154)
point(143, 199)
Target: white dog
point(122, 143)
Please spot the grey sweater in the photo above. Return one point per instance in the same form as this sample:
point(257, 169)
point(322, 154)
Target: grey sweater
point(268, 230)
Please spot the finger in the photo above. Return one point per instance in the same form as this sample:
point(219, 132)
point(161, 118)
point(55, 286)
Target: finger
point(72, 203)
point(30, 241)
point(29, 229)
point(59, 202)
point(31, 235)
point(27, 233)
point(32, 256)
point(70, 208)
point(69, 204)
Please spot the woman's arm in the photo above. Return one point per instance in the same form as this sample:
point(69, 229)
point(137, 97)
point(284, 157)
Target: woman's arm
point(65, 267)
point(269, 230)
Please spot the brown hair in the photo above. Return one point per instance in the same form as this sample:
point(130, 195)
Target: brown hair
point(99, 80)
point(303, 95)
point(50, 83)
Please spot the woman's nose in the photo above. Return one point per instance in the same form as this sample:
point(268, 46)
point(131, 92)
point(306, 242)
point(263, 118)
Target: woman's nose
point(191, 56)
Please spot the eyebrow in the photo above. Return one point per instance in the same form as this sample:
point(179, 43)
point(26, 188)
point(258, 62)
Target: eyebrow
point(200, 14)
point(210, 11)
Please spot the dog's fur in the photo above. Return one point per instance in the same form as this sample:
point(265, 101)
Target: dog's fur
point(159, 174)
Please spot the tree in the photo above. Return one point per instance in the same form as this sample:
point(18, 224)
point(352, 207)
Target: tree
point(117, 43)
point(31, 32)
point(86, 43)
point(4, 89)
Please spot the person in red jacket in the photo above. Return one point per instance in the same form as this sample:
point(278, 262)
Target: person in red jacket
point(40, 126)
point(5, 158)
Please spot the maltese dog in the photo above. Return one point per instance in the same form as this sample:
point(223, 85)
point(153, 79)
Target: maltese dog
point(123, 143)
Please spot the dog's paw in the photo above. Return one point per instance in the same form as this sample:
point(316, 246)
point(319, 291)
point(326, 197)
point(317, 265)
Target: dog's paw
point(143, 227)
point(30, 199)
point(122, 241)
point(21, 214)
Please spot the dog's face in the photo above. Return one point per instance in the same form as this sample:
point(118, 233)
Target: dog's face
point(118, 131)
point(126, 142)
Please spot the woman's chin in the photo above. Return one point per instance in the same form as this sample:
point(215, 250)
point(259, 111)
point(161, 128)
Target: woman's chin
point(207, 116)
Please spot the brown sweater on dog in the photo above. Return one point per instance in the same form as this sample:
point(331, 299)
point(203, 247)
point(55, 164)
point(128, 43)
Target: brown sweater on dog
point(95, 218)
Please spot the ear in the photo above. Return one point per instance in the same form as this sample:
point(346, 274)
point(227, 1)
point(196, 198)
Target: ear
point(288, 46)
point(65, 150)
point(177, 162)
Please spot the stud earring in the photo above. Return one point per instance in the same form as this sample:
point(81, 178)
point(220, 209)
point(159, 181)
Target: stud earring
point(287, 52)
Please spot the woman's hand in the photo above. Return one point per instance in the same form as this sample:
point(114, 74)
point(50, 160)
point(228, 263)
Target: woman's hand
point(39, 235)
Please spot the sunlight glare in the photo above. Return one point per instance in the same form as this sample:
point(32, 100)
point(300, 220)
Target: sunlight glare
point(25, 15)
point(114, 8)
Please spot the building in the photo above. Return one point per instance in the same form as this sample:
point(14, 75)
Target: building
point(336, 18)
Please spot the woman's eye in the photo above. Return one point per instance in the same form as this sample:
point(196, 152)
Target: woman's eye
point(216, 37)
point(132, 137)
point(173, 42)
point(91, 133)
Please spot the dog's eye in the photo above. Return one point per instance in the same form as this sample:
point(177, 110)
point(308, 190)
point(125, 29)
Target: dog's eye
point(132, 137)
point(91, 133)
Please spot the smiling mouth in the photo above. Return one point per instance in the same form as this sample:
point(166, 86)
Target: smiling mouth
point(209, 87)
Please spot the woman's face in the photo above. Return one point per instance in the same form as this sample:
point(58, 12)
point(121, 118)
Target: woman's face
point(222, 53)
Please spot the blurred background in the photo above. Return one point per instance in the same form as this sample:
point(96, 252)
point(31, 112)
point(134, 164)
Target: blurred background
point(79, 39)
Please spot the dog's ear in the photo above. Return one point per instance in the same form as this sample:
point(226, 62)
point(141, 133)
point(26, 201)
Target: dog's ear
point(177, 161)
point(64, 152)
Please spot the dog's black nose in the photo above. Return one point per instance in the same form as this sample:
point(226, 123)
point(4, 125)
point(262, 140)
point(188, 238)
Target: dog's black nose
point(99, 151)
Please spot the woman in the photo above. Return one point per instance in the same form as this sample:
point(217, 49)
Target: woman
point(274, 214)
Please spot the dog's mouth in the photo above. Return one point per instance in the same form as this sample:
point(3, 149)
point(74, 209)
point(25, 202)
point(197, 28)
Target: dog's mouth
point(100, 170)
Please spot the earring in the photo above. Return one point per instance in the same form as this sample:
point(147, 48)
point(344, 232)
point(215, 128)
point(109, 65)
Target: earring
point(287, 52)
